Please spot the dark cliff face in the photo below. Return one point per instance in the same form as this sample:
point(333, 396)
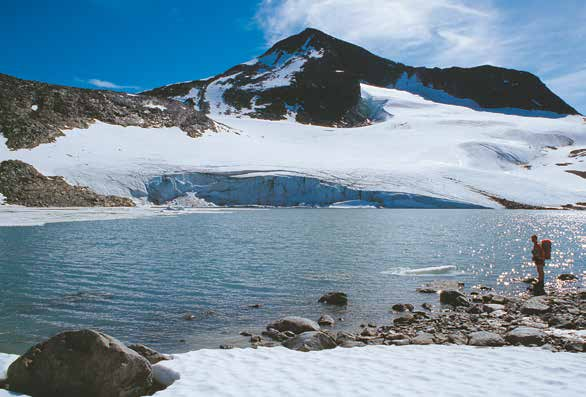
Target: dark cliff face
point(22, 184)
point(32, 113)
point(325, 89)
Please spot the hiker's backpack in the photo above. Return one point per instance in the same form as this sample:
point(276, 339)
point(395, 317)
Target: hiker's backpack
point(546, 245)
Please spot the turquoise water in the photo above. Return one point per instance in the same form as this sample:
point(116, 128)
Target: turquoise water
point(136, 279)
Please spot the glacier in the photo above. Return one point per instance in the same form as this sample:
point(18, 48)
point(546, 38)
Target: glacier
point(236, 189)
point(416, 153)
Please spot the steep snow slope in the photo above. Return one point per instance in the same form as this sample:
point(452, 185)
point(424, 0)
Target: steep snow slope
point(418, 147)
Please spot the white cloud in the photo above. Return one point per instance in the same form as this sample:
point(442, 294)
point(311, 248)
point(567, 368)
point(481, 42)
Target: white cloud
point(442, 32)
point(107, 84)
point(572, 87)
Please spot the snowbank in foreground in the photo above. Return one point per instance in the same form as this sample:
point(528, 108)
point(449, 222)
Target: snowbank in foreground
point(371, 371)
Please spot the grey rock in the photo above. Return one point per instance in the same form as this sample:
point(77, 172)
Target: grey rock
point(422, 338)
point(405, 318)
point(310, 341)
point(334, 298)
point(276, 335)
point(458, 338)
point(526, 336)
point(294, 324)
point(475, 309)
point(255, 339)
point(535, 305)
point(368, 332)
point(151, 355)
point(427, 306)
point(454, 297)
point(81, 363)
point(326, 320)
point(351, 343)
point(485, 338)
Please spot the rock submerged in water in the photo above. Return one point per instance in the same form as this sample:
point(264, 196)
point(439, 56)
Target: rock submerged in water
point(403, 307)
point(81, 363)
point(294, 324)
point(334, 298)
point(310, 341)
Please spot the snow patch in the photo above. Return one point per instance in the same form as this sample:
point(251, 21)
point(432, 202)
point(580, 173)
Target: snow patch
point(422, 370)
point(34, 108)
point(2, 199)
point(152, 105)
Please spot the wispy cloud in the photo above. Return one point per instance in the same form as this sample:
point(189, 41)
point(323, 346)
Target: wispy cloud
point(441, 32)
point(109, 85)
point(539, 37)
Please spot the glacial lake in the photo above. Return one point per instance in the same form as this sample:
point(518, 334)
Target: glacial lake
point(136, 279)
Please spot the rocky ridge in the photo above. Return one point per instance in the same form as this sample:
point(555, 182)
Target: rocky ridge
point(33, 113)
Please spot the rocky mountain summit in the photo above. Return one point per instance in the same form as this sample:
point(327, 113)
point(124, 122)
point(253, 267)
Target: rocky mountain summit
point(315, 79)
point(33, 113)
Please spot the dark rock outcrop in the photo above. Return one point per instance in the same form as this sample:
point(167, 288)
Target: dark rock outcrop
point(454, 297)
point(81, 363)
point(325, 75)
point(22, 184)
point(32, 113)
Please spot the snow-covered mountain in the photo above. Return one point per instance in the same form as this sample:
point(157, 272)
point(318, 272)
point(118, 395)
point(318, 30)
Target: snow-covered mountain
point(315, 78)
point(313, 121)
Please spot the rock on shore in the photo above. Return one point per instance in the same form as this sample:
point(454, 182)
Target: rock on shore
point(81, 363)
point(22, 184)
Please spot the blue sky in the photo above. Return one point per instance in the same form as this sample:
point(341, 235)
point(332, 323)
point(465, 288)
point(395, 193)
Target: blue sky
point(135, 45)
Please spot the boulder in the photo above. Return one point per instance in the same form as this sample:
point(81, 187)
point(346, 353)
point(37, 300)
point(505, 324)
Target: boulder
point(427, 306)
point(405, 318)
point(368, 332)
point(310, 341)
point(453, 297)
point(403, 307)
point(326, 320)
point(567, 277)
point(334, 298)
point(276, 335)
point(535, 305)
point(81, 363)
point(422, 338)
point(485, 338)
point(526, 336)
point(475, 309)
point(294, 324)
point(457, 338)
point(151, 355)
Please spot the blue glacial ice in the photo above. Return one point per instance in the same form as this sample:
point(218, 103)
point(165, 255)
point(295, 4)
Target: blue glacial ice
point(243, 189)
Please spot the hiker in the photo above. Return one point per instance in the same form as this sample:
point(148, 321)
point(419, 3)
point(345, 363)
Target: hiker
point(539, 256)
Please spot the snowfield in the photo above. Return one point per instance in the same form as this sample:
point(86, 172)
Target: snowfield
point(370, 371)
point(417, 146)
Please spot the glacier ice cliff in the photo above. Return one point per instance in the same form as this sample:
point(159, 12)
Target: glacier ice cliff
point(250, 189)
